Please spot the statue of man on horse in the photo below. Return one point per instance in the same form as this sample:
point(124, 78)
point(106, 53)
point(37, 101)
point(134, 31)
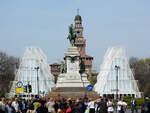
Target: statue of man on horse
point(72, 35)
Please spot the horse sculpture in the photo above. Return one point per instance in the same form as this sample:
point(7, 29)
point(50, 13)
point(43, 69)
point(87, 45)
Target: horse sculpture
point(72, 35)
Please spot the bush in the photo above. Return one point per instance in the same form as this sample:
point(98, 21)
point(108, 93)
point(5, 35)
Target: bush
point(128, 100)
point(139, 101)
point(94, 79)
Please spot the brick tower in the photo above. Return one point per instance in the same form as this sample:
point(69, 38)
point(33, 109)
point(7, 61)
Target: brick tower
point(81, 44)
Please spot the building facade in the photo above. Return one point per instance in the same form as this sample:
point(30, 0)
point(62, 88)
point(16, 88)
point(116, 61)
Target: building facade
point(55, 70)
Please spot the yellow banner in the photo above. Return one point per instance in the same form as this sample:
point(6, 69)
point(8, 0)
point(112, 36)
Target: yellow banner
point(19, 90)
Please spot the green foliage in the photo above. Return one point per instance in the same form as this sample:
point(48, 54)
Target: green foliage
point(94, 79)
point(8, 64)
point(62, 67)
point(128, 100)
point(148, 90)
point(141, 70)
point(127, 97)
point(139, 101)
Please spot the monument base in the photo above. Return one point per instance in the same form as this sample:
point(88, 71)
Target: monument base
point(72, 80)
point(72, 77)
point(72, 92)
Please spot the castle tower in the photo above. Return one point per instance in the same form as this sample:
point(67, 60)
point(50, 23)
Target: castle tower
point(81, 44)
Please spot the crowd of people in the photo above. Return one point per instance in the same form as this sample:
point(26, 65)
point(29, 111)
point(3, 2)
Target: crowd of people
point(69, 105)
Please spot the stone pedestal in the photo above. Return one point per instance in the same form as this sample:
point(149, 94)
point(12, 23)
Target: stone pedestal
point(72, 92)
point(72, 78)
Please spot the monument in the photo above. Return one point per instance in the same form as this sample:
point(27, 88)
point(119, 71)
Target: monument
point(115, 77)
point(85, 61)
point(75, 72)
point(72, 77)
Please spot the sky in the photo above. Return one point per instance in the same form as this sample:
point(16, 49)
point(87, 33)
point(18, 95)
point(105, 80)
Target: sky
point(44, 24)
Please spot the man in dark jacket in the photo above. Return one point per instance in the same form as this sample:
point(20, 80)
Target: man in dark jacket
point(102, 106)
point(42, 108)
point(133, 105)
point(76, 108)
point(23, 106)
point(82, 105)
point(145, 106)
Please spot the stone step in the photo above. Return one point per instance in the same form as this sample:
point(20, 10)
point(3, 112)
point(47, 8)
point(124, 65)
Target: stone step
point(72, 92)
point(69, 89)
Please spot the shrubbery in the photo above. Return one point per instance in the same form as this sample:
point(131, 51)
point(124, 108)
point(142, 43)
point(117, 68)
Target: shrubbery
point(127, 99)
point(139, 101)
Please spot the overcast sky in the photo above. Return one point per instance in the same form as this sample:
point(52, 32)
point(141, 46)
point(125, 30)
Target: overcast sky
point(44, 23)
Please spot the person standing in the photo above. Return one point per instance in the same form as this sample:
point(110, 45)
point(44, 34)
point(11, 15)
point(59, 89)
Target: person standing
point(15, 105)
point(121, 106)
point(91, 106)
point(69, 105)
point(133, 105)
point(50, 106)
point(10, 108)
point(3, 108)
point(82, 105)
point(30, 107)
point(101, 106)
point(76, 108)
point(41, 108)
point(36, 104)
point(63, 105)
point(145, 106)
point(86, 105)
point(110, 106)
point(23, 106)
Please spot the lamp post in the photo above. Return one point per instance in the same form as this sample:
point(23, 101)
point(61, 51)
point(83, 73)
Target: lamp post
point(37, 68)
point(28, 90)
point(117, 70)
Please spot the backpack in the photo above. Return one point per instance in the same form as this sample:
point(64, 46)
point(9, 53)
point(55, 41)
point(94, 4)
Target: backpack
point(68, 109)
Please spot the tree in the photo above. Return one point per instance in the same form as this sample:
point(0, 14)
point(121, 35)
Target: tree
point(148, 90)
point(8, 65)
point(141, 69)
point(94, 79)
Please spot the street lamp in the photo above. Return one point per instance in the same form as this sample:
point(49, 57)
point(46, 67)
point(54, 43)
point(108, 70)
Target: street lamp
point(117, 70)
point(37, 68)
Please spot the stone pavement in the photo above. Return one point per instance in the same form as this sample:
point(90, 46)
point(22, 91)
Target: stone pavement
point(129, 111)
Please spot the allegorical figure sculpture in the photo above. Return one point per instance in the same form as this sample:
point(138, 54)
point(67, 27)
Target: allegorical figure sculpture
point(62, 68)
point(82, 67)
point(72, 35)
